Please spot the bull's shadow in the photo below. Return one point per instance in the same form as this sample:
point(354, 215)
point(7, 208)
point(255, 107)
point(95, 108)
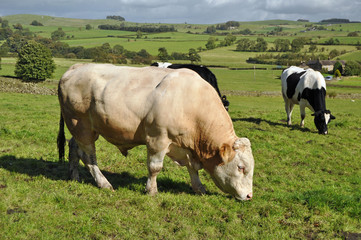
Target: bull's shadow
point(58, 171)
point(271, 123)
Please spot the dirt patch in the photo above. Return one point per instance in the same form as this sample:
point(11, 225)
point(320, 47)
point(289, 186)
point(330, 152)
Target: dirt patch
point(17, 86)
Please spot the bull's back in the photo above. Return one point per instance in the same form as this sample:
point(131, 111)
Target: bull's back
point(111, 100)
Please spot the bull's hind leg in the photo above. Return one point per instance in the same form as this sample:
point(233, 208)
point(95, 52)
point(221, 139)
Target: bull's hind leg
point(73, 160)
point(289, 108)
point(87, 154)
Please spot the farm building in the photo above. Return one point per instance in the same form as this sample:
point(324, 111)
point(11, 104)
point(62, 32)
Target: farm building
point(318, 65)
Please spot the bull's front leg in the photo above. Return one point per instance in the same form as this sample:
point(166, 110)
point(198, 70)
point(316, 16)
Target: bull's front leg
point(197, 186)
point(155, 165)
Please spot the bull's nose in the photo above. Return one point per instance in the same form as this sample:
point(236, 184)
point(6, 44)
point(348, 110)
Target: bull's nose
point(249, 196)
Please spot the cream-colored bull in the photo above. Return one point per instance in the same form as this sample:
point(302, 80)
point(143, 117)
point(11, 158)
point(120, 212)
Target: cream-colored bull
point(172, 112)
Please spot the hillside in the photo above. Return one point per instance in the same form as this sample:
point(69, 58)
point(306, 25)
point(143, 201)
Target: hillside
point(189, 36)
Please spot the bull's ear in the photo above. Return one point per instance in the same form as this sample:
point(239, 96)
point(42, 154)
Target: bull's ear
point(226, 152)
point(332, 117)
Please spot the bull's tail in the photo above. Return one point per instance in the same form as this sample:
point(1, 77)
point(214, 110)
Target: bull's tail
point(61, 139)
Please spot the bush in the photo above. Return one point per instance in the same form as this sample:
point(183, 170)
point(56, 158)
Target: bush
point(352, 34)
point(337, 73)
point(34, 63)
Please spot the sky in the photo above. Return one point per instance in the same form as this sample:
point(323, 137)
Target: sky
point(188, 11)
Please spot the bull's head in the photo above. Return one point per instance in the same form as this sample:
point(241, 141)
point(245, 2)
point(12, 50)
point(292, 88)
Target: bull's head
point(235, 174)
point(322, 118)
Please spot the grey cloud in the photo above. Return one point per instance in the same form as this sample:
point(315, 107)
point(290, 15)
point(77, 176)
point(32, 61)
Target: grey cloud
point(177, 11)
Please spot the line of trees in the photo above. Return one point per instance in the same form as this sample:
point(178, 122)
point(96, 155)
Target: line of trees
point(119, 18)
point(143, 28)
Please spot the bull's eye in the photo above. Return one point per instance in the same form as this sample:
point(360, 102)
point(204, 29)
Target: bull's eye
point(241, 169)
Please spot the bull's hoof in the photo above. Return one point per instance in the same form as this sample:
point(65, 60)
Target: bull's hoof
point(74, 176)
point(106, 186)
point(151, 191)
point(200, 190)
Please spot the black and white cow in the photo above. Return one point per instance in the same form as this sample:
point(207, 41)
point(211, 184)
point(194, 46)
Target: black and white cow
point(202, 71)
point(308, 89)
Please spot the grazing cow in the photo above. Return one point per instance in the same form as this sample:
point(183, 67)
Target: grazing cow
point(204, 72)
point(308, 89)
point(161, 108)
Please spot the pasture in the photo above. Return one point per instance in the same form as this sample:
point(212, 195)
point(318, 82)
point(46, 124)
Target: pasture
point(306, 185)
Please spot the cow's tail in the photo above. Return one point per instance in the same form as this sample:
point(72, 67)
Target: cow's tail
point(61, 139)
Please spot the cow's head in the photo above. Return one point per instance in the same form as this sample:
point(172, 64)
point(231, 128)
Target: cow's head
point(235, 174)
point(322, 118)
point(225, 102)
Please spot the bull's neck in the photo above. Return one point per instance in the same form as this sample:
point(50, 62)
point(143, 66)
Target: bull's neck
point(211, 138)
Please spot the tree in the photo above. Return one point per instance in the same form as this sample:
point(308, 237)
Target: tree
point(337, 66)
point(88, 27)
point(352, 68)
point(34, 63)
point(282, 45)
point(193, 55)
point(211, 29)
point(163, 54)
point(100, 54)
point(18, 26)
point(118, 49)
point(211, 44)
point(334, 53)
point(58, 34)
point(312, 48)
point(4, 24)
point(139, 34)
point(36, 23)
point(297, 44)
point(261, 45)
point(229, 40)
point(245, 44)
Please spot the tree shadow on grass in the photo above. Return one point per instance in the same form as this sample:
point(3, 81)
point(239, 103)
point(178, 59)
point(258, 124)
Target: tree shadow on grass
point(271, 123)
point(58, 171)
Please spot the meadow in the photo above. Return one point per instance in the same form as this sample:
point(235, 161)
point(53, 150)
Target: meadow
point(306, 185)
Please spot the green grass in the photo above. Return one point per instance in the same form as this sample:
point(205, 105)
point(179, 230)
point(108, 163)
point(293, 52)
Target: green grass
point(305, 185)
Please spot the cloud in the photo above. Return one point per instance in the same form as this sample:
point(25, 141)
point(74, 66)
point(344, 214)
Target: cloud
point(177, 11)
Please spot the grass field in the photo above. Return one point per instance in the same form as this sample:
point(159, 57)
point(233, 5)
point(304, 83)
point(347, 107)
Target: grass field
point(305, 185)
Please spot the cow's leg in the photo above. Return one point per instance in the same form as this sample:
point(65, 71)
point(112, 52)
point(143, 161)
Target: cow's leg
point(195, 181)
point(155, 165)
point(73, 160)
point(303, 113)
point(87, 155)
point(289, 108)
